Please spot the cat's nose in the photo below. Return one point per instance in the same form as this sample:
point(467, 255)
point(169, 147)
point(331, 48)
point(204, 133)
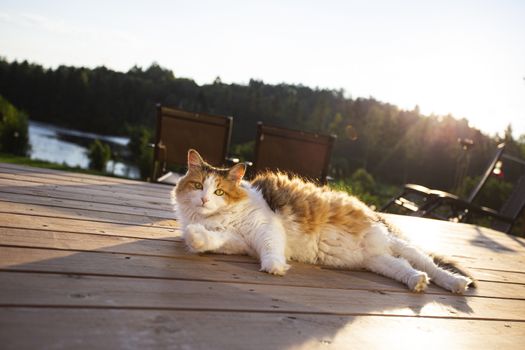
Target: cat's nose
point(204, 200)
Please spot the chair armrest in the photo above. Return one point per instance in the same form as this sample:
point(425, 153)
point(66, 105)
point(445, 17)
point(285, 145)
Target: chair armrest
point(443, 194)
point(472, 208)
point(417, 189)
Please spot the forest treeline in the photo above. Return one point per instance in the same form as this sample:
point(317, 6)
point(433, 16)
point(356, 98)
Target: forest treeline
point(394, 145)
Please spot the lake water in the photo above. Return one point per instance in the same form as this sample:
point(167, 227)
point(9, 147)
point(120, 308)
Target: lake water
point(66, 146)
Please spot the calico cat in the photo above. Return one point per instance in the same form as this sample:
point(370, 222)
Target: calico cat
point(277, 218)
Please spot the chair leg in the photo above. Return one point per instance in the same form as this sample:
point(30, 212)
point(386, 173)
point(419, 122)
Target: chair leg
point(392, 201)
point(426, 209)
point(388, 204)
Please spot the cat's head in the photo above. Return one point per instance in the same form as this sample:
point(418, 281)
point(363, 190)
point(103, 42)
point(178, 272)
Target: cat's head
point(205, 189)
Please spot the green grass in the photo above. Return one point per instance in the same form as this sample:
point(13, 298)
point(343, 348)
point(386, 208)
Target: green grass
point(12, 159)
point(375, 197)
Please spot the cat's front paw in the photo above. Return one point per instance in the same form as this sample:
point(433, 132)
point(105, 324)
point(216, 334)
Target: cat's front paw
point(196, 238)
point(274, 266)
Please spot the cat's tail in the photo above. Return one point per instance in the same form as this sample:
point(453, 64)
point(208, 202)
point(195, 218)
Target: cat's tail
point(442, 270)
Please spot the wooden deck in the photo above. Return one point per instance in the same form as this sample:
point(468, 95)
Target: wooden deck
point(96, 262)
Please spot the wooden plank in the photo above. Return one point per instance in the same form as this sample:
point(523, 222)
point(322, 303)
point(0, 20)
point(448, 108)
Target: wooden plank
point(22, 289)
point(503, 245)
point(417, 227)
point(84, 226)
point(74, 204)
point(82, 214)
point(75, 175)
point(137, 188)
point(25, 328)
point(214, 268)
point(93, 242)
point(468, 238)
point(102, 190)
point(81, 194)
point(499, 276)
point(113, 277)
point(169, 230)
point(470, 255)
point(131, 246)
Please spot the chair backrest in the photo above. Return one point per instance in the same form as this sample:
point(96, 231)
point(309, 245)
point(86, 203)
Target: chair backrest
point(512, 208)
point(488, 172)
point(293, 151)
point(178, 130)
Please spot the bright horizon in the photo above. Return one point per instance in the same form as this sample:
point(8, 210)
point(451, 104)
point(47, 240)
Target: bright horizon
point(466, 58)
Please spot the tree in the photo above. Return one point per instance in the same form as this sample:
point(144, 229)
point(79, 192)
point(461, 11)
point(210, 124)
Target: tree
point(394, 145)
point(99, 154)
point(141, 152)
point(14, 136)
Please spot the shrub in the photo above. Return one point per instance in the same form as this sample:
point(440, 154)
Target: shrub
point(99, 154)
point(493, 194)
point(141, 152)
point(14, 135)
point(362, 185)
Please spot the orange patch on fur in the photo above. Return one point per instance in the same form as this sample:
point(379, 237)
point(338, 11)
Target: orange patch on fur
point(311, 206)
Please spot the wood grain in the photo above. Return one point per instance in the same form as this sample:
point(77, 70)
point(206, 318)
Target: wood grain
point(87, 193)
point(84, 214)
point(59, 290)
point(78, 204)
point(24, 328)
point(96, 262)
point(107, 262)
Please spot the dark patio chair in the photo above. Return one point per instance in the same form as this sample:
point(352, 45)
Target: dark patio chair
point(419, 200)
point(446, 206)
point(178, 130)
point(502, 220)
point(297, 152)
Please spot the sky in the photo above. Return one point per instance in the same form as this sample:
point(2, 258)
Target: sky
point(466, 58)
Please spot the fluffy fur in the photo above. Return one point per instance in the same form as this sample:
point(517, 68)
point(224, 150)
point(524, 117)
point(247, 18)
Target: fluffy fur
point(277, 218)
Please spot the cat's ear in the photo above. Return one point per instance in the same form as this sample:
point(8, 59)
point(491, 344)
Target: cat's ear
point(194, 159)
point(237, 172)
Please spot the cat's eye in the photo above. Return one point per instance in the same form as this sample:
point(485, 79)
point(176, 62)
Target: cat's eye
point(197, 185)
point(219, 192)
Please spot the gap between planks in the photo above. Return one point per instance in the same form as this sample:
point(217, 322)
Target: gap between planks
point(75, 204)
point(254, 311)
point(75, 175)
point(206, 268)
point(490, 261)
point(78, 241)
point(377, 284)
point(66, 328)
point(139, 189)
point(88, 198)
point(85, 189)
point(87, 215)
point(57, 290)
point(23, 221)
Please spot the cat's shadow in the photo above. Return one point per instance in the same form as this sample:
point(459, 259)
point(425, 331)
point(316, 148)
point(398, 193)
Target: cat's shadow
point(371, 293)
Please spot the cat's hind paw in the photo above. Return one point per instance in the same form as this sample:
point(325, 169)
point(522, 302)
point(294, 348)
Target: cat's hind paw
point(275, 267)
point(419, 282)
point(460, 285)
